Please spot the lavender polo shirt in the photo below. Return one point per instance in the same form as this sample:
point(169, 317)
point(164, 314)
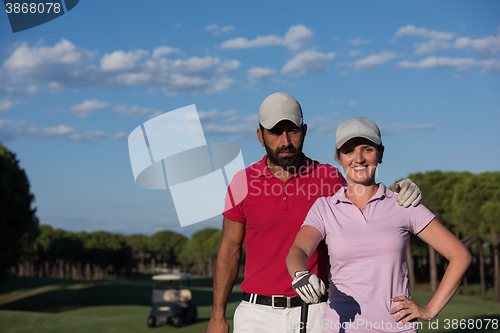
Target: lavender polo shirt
point(367, 257)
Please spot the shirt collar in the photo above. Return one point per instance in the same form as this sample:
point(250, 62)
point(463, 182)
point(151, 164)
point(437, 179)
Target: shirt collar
point(379, 195)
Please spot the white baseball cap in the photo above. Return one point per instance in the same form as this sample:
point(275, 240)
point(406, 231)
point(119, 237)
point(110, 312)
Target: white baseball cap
point(277, 107)
point(357, 127)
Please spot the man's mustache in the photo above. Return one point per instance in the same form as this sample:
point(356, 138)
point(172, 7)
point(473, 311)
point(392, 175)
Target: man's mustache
point(290, 149)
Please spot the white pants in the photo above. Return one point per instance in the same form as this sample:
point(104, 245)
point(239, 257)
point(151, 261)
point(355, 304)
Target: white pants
point(258, 318)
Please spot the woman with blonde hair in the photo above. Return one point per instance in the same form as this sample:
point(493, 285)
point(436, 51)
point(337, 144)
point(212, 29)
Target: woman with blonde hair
point(366, 232)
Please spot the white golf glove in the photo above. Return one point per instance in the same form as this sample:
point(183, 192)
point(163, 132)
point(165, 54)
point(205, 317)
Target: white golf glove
point(409, 193)
point(309, 287)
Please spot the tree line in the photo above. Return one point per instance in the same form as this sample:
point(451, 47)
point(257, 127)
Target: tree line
point(97, 255)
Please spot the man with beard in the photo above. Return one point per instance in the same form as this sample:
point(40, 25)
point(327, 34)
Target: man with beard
point(278, 192)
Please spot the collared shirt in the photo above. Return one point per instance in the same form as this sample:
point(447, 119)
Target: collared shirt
point(272, 212)
point(367, 257)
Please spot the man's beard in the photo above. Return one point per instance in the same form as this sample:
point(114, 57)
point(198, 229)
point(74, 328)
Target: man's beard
point(285, 161)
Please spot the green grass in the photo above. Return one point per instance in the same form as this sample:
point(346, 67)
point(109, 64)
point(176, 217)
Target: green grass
point(53, 305)
point(461, 307)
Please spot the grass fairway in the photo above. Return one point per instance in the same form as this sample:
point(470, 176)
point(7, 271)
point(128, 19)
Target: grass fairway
point(53, 305)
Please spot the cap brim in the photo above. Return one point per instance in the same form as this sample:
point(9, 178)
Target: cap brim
point(341, 142)
point(273, 120)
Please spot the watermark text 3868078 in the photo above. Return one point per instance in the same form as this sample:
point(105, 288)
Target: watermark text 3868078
point(31, 13)
point(32, 8)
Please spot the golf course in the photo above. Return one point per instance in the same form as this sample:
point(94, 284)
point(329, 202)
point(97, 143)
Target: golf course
point(123, 305)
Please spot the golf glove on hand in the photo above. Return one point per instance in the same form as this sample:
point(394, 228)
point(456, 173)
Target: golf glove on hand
point(309, 287)
point(409, 193)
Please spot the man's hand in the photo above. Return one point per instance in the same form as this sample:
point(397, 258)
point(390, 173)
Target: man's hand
point(409, 310)
point(217, 326)
point(409, 193)
point(309, 287)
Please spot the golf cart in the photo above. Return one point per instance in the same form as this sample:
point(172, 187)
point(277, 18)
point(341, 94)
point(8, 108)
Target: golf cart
point(174, 304)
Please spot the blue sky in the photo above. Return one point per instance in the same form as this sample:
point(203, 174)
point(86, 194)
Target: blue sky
point(71, 90)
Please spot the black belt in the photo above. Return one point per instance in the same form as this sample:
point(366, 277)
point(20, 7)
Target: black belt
point(277, 301)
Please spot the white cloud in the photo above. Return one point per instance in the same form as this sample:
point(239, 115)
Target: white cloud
point(258, 74)
point(227, 29)
point(10, 130)
point(326, 126)
point(374, 60)
point(444, 62)
point(358, 41)
point(6, 105)
point(491, 65)
point(488, 46)
point(155, 114)
point(7, 127)
point(25, 59)
point(228, 123)
point(397, 128)
point(84, 109)
point(61, 130)
point(435, 45)
point(252, 118)
point(197, 65)
point(211, 27)
point(197, 74)
point(352, 103)
point(297, 36)
point(228, 66)
point(213, 114)
point(87, 136)
point(120, 60)
point(216, 30)
point(134, 110)
point(179, 83)
point(243, 43)
point(220, 85)
point(307, 62)
point(15, 89)
point(120, 136)
point(355, 53)
point(163, 50)
point(237, 130)
point(411, 30)
point(439, 40)
point(208, 115)
point(28, 69)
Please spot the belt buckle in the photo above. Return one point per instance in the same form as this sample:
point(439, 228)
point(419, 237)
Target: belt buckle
point(288, 302)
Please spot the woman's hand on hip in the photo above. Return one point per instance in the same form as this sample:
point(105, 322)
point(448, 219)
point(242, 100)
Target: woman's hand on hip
point(409, 310)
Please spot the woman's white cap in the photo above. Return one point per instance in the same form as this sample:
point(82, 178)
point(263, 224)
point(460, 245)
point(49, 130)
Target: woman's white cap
point(277, 107)
point(357, 127)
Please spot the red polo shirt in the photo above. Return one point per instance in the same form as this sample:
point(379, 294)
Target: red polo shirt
point(272, 212)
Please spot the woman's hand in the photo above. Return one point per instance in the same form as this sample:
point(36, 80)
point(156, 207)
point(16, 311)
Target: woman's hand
point(410, 310)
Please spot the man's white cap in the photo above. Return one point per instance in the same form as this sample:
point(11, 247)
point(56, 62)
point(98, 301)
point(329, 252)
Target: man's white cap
point(357, 127)
point(277, 107)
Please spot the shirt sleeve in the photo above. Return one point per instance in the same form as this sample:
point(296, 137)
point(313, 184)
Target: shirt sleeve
point(418, 218)
point(235, 196)
point(315, 216)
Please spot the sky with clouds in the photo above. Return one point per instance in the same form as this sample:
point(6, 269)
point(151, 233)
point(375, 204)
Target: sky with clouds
point(72, 90)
